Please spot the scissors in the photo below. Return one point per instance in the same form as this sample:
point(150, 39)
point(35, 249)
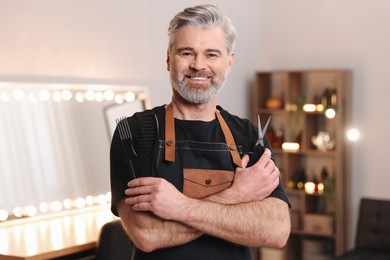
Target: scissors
point(261, 132)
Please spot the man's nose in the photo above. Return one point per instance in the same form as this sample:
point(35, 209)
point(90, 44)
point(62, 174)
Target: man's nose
point(198, 63)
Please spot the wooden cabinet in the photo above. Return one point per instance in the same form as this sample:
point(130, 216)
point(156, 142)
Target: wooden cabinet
point(317, 175)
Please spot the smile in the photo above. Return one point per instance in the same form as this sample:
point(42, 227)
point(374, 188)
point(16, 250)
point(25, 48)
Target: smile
point(198, 78)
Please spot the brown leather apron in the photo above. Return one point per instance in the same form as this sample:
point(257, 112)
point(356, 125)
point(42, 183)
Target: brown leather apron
point(218, 160)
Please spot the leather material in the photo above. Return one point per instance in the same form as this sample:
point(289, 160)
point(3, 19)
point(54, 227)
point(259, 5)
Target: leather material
point(200, 183)
point(229, 140)
point(170, 138)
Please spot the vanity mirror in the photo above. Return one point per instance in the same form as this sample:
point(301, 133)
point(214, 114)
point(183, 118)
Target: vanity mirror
point(55, 142)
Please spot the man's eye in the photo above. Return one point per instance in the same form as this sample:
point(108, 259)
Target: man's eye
point(212, 55)
point(186, 54)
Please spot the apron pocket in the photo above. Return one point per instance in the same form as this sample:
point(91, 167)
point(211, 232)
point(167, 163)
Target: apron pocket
point(199, 183)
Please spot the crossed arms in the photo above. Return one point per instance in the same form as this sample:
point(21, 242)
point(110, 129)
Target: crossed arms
point(156, 215)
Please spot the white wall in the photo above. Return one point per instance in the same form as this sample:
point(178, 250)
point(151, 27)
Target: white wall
point(352, 34)
point(116, 41)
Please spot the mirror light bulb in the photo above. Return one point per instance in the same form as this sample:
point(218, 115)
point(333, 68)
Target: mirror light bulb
point(56, 206)
point(44, 95)
point(109, 95)
point(18, 94)
point(3, 215)
point(79, 97)
point(130, 96)
point(31, 211)
point(90, 95)
point(66, 95)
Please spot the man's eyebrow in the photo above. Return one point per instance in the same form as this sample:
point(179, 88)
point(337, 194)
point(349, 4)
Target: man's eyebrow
point(184, 49)
point(179, 50)
point(214, 50)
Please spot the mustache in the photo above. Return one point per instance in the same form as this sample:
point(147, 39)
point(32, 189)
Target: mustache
point(200, 74)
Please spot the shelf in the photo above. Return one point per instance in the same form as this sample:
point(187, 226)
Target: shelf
point(303, 152)
point(313, 234)
point(293, 89)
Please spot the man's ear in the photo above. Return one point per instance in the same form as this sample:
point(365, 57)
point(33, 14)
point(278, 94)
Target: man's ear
point(168, 61)
point(230, 61)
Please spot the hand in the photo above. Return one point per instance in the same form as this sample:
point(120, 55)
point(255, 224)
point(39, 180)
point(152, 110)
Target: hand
point(156, 195)
point(256, 182)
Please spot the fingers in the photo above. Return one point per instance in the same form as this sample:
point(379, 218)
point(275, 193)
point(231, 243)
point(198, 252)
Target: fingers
point(264, 159)
point(244, 161)
point(137, 199)
point(138, 190)
point(142, 181)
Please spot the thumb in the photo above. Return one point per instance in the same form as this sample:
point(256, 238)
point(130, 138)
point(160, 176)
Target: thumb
point(244, 161)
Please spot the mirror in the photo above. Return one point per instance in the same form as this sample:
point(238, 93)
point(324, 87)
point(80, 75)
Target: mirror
point(55, 141)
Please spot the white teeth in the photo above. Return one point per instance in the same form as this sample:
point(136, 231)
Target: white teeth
point(199, 78)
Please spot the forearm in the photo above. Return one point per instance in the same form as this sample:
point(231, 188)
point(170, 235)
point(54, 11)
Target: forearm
point(149, 232)
point(262, 223)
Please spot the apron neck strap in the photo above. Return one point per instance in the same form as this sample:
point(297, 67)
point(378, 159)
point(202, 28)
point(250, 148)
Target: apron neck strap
point(229, 139)
point(170, 136)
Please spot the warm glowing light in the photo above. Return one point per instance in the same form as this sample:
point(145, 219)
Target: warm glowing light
point(290, 146)
point(18, 212)
point(18, 94)
point(109, 95)
point(130, 96)
point(310, 187)
point(44, 95)
point(56, 206)
point(320, 107)
point(108, 196)
point(57, 96)
point(90, 95)
point(80, 203)
point(67, 203)
point(44, 207)
point(66, 95)
point(118, 99)
point(4, 97)
point(3, 215)
point(31, 211)
point(89, 200)
point(101, 199)
point(330, 113)
point(353, 134)
point(309, 107)
point(79, 97)
point(320, 187)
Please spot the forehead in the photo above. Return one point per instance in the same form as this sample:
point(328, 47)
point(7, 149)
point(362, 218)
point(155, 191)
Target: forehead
point(200, 39)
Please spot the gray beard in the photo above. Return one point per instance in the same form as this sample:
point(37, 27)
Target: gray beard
point(197, 95)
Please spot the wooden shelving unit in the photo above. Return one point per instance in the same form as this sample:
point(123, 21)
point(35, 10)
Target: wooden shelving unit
point(320, 219)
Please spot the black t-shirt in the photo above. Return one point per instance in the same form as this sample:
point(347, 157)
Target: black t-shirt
point(143, 162)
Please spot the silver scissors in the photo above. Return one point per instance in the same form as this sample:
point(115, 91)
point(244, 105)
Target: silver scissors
point(261, 132)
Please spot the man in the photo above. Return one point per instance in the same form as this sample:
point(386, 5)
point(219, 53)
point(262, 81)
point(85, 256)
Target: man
point(176, 211)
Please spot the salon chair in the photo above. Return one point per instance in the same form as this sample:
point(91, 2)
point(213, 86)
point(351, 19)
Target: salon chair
point(113, 243)
point(373, 232)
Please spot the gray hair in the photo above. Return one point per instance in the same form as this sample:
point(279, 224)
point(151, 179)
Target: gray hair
point(204, 17)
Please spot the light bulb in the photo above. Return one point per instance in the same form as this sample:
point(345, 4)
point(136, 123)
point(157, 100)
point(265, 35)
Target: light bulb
point(3, 215)
point(353, 134)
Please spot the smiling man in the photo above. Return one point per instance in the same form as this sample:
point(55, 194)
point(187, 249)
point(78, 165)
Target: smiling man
point(205, 191)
